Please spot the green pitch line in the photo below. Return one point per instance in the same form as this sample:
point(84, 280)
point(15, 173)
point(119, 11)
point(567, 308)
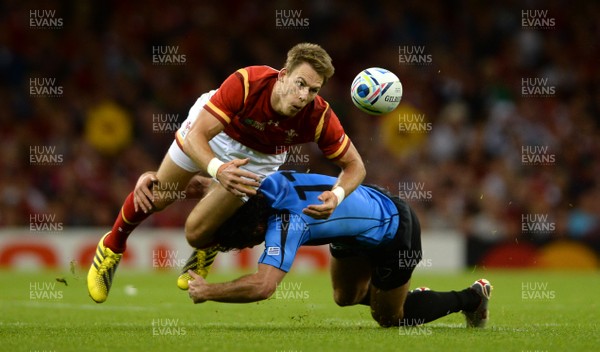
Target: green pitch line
point(543, 311)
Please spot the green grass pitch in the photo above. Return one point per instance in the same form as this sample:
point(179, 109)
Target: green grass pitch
point(530, 311)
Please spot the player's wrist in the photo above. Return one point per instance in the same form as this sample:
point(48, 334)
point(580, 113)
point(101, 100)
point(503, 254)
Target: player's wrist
point(213, 167)
point(339, 193)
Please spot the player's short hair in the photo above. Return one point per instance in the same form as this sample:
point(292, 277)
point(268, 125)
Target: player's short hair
point(247, 227)
point(314, 55)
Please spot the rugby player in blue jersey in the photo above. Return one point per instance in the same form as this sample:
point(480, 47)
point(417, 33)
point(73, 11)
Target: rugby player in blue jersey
point(369, 234)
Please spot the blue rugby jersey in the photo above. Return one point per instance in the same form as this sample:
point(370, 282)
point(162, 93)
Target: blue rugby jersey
point(365, 218)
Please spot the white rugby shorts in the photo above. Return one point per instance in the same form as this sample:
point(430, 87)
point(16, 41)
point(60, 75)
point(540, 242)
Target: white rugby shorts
point(224, 147)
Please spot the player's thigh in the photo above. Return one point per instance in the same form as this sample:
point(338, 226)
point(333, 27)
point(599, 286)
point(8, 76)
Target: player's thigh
point(350, 278)
point(172, 182)
point(211, 211)
point(387, 306)
point(175, 175)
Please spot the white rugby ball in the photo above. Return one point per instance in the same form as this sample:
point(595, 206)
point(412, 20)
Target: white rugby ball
point(376, 91)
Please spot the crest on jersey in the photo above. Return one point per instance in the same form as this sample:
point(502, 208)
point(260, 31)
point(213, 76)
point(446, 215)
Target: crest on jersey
point(290, 135)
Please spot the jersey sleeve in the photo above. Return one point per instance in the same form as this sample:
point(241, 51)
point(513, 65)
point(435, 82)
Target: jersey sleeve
point(282, 241)
point(332, 140)
point(229, 99)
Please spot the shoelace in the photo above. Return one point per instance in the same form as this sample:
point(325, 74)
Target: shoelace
point(108, 262)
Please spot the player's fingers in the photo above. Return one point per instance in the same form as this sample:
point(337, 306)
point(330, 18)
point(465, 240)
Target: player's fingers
point(326, 196)
point(240, 177)
point(237, 190)
point(148, 193)
point(193, 274)
point(247, 182)
point(244, 190)
point(137, 202)
point(141, 200)
point(315, 215)
point(324, 209)
point(137, 205)
point(316, 212)
point(247, 176)
point(240, 162)
point(319, 207)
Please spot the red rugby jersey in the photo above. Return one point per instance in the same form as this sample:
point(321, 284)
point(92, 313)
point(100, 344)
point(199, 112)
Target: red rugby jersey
point(243, 105)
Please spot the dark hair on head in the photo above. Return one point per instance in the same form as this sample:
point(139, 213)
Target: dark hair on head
point(246, 227)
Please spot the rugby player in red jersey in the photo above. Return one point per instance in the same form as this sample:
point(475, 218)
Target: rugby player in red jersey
point(238, 135)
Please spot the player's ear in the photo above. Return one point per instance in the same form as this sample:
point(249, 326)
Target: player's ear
point(282, 73)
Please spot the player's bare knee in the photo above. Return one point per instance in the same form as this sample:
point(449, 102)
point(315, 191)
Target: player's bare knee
point(197, 241)
point(344, 298)
point(195, 235)
point(386, 319)
point(199, 236)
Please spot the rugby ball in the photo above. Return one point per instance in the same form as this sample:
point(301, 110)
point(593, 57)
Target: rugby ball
point(376, 91)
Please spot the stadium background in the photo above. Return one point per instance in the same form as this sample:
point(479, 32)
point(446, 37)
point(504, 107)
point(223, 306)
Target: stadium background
point(510, 100)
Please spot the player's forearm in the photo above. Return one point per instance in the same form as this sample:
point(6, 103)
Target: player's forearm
point(195, 145)
point(353, 171)
point(351, 177)
point(197, 148)
point(243, 290)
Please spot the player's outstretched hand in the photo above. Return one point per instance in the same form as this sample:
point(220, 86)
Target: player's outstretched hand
point(142, 194)
point(196, 287)
point(237, 181)
point(324, 210)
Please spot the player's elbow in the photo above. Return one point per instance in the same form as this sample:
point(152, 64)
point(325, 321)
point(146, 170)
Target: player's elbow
point(354, 166)
point(361, 170)
point(195, 137)
point(187, 143)
point(265, 291)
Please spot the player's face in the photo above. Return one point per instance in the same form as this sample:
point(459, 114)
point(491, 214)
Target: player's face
point(299, 88)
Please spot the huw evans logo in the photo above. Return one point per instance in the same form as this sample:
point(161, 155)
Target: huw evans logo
point(537, 223)
point(290, 19)
point(44, 19)
point(537, 155)
point(167, 258)
point(537, 19)
point(40, 222)
point(44, 291)
point(165, 123)
point(414, 327)
point(413, 123)
point(291, 291)
point(44, 155)
point(415, 191)
point(168, 191)
point(45, 87)
point(532, 291)
point(537, 87)
point(167, 55)
point(413, 55)
point(167, 327)
point(289, 222)
point(294, 155)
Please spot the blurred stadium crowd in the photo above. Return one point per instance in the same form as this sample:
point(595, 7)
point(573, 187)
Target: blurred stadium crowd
point(107, 123)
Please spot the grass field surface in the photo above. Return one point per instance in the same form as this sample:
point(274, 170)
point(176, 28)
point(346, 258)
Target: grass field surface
point(530, 311)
